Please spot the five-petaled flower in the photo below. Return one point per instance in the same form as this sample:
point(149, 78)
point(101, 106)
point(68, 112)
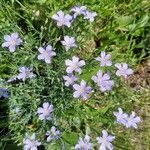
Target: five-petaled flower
point(30, 143)
point(25, 73)
point(45, 113)
point(90, 15)
point(68, 42)
point(62, 19)
point(105, 141)
point(132, 120)
point(11, 41)
point(74, 65)
point(123, 70)
point(70, 79)
point(103, 81)
point(81, 90)
point(53, 134)
point(84, 144)
point(104, 59)
point(46, 54)
point(120, 116)
point(78, 10)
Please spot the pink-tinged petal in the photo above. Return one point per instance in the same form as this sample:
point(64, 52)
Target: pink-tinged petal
point(7, 38)
point(41, 50)
point(14, 36)
point(12, 48)
point(6, 44)
point(81, 63)
point(68, 62)
point(76, 94)
point(110, 138)
point(69, 70)
point(46, 105)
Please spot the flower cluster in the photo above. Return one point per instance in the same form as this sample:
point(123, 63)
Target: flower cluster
point(63, 19)
point(81, 89)
point(103, 141)
point(127, 120)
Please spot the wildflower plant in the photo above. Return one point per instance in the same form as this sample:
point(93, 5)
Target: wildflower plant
point(61, 97)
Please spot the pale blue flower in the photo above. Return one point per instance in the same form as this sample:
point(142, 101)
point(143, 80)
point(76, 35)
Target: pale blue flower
point(123, 70)
point(69, 42)
point(103, 81)
point(104, 59)
point(45, 112)
point(90, 15)
point(74, 65)
point(12, 41)
point(132, 121)
point(81, 90)
point(78, 10)
point(30, 143)
point(105, 141)
point(46, 54)
point(127, 120)
point(53, 134)
point(70, 79)
point(84, 144)
point(25, 73)
point(120, 116)
point(62, 19)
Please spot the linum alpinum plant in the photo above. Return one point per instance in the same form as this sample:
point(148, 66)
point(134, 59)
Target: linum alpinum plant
point(48, 94)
